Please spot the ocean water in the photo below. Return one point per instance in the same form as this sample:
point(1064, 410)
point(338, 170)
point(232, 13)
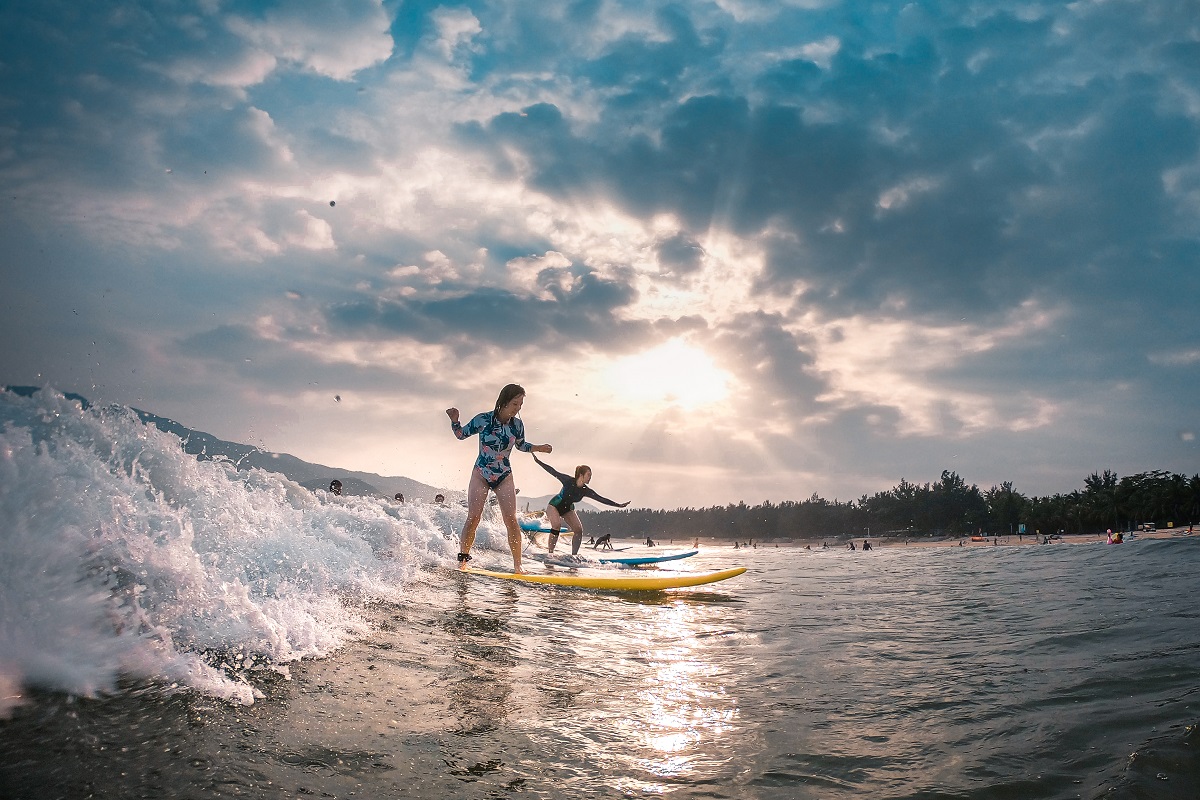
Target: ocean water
point(174, 628)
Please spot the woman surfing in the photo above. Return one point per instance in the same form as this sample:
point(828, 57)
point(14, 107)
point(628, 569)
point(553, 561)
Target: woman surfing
point(499, 432)
point(562, 506)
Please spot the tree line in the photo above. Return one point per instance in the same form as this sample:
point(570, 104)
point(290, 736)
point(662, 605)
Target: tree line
point(947, 507)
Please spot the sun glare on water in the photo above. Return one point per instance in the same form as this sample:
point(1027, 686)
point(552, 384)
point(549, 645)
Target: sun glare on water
point(674, 373)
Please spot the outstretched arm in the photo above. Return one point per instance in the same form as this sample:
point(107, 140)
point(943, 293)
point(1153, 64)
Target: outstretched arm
point(521, 444)
point(553, 471)
point(592, 494)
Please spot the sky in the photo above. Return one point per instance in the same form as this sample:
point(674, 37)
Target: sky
point(734, 251)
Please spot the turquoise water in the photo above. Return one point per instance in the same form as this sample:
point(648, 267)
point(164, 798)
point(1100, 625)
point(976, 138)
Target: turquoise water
point(174, 629)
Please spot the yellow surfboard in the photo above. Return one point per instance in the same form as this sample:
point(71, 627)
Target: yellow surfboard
point(623, 581)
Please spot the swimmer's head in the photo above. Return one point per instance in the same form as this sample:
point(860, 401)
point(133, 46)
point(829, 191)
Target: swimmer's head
point(508, 394)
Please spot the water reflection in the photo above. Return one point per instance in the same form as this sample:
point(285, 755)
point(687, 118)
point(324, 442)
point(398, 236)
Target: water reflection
point(563, 671)
point(479, 678)
point(674, 598)
point(681, 710)
point(638, 694)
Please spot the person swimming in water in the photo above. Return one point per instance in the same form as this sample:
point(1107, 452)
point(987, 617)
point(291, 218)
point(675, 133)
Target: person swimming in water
point(500, 430)
point(561, 507)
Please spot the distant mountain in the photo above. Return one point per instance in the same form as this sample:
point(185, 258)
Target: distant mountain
point(205, 446)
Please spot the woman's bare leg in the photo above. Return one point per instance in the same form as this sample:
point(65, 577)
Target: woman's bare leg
point(576, 524)
point(555, 523)
point(477, 493)
point(506, 493)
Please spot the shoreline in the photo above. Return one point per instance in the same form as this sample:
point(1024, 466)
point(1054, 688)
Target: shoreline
point(887, 542)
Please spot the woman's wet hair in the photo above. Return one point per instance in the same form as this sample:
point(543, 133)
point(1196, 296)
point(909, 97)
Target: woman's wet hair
point(506, 396)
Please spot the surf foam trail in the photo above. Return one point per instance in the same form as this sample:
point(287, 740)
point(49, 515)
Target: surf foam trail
point(122, 555)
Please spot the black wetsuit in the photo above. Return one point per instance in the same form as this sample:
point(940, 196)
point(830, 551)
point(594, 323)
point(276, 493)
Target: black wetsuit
point(571, 492)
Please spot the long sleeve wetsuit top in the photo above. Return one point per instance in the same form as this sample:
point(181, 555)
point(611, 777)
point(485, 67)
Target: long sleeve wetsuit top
point(571, 492)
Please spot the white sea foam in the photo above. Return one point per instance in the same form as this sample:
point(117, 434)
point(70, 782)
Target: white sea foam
point(120, 554)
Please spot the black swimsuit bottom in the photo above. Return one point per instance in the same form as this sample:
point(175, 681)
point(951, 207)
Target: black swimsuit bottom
point(495, 483)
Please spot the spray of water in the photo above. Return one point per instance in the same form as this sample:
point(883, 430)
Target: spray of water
point(122, 555)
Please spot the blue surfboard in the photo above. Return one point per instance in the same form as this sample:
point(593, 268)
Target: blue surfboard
point(537, 526)
point(648, 559)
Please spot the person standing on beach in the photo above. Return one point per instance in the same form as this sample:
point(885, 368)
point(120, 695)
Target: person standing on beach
point(561, 507)
point(500, 430)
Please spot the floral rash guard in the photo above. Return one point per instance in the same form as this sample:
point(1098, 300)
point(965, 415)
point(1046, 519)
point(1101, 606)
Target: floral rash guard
point(496, 441)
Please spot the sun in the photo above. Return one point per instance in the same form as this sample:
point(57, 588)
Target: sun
point(674, 373)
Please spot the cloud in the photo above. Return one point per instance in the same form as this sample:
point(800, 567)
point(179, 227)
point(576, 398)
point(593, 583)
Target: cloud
point(1176, 358)
point(332, 38)
point(905, 235)
point(489, 317)
point(456, 27)
point(776, 367)
point(680, 254)
point(926, 173)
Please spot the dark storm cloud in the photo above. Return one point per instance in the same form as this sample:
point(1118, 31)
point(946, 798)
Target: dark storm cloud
point(512, 320)
point(564, 163)
point(240, 350)
point(226, 342)
point(114, 93)
point(238, 353)
point(67, 79)
point(680, 254)
point(231, 142)
point(961, 170)
point(588, 311)
point(633, 60)
point(777, 363)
